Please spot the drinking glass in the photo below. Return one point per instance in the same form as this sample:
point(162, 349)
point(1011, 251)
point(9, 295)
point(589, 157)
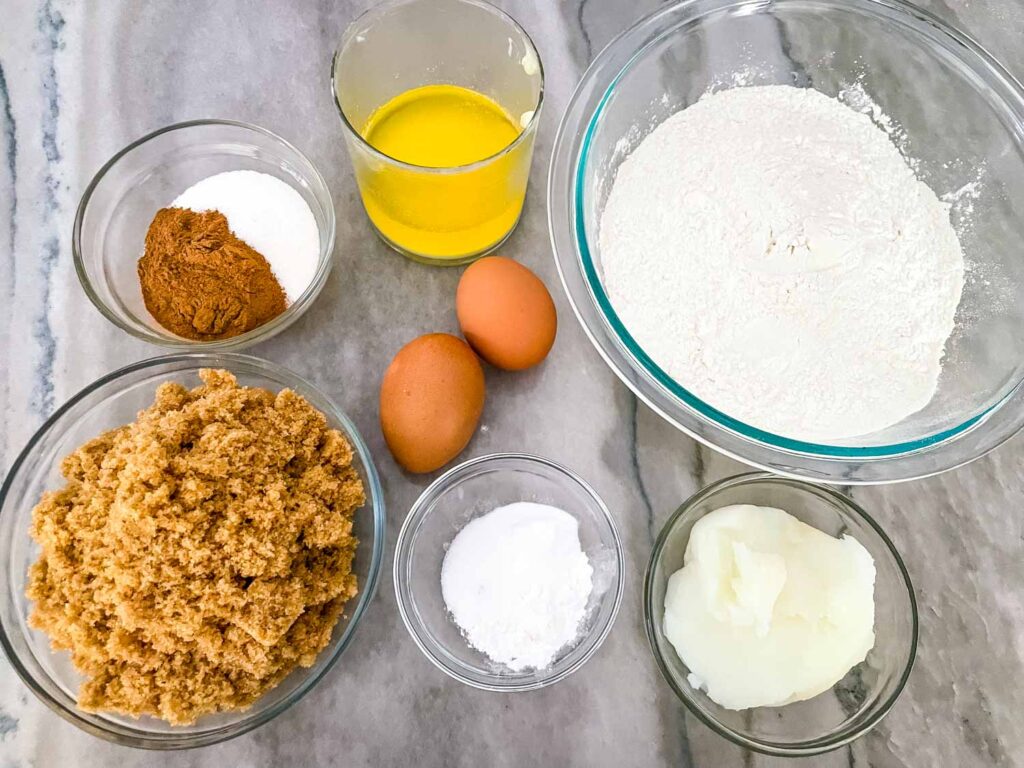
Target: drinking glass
point(448, 215)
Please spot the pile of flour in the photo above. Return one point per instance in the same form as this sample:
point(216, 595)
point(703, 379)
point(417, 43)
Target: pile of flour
point(771, 250)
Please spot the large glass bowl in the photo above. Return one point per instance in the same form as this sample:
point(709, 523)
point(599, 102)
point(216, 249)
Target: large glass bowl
point(955, 111)
point(147, 175)
point(862, 698)
point(110, 402)
point(475, 488)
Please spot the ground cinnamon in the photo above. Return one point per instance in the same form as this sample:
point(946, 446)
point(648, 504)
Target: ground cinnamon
point(201, 282)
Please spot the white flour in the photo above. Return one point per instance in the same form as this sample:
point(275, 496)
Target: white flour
point(773, 252)
point(517, 582)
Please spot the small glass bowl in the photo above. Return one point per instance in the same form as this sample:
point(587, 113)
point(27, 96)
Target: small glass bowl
point(470, 490)
point(451, 215)
point(857, 702)
point(109, 402)
point(147, 175)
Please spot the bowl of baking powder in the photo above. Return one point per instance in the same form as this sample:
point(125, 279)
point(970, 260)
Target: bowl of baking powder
point(509, 572)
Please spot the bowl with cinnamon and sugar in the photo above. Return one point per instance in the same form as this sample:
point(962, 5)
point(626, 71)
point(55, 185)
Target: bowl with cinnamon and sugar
point(213, 234)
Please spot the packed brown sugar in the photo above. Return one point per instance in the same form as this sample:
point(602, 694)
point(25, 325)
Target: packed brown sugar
point(198, 555)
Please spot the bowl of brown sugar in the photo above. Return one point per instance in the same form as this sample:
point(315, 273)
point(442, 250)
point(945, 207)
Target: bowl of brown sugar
point(188, 545)
point(209, 234)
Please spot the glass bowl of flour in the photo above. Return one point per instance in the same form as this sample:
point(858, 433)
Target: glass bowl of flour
point(460, 501)
point(788, 227)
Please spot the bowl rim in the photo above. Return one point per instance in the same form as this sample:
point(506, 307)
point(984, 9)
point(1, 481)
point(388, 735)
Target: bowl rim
point(571, 251)
point(854, 510)
point(423, 506)
point(374, 504)
point(325, 260)
point(379, 10)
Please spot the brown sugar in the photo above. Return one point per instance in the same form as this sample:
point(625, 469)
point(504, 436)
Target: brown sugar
point(197, 556)
point(202, 282)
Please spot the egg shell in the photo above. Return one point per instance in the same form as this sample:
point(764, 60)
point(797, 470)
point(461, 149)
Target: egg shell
point(506, 313)
point(431, 398)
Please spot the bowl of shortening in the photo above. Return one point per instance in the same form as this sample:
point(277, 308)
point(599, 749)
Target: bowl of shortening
point(509, 572)
point(780, 614)
point(220, 477)
point(790, 229)
point(210, 234)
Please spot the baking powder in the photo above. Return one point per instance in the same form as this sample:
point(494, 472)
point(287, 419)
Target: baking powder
point(517, 582)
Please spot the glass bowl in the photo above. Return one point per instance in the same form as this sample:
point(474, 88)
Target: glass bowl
point(121, 200)
point(857, 702)
point(954, 110)
point(111, 401)
point(451, 215)
point(475, 488)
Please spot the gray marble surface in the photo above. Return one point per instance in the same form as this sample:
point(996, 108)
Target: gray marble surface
point(79, 80)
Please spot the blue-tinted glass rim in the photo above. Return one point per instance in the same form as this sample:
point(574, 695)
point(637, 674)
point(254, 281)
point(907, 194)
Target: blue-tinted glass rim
point(640, 357)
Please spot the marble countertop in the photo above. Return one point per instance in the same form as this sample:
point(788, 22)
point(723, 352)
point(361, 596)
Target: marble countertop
point(80, 80)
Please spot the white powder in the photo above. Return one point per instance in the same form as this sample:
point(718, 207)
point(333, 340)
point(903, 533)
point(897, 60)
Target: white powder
point(773, 252)
point(270, 216)
point(517, 582)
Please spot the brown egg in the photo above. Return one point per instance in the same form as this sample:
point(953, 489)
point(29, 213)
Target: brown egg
point(506, 313)
point(431, 399)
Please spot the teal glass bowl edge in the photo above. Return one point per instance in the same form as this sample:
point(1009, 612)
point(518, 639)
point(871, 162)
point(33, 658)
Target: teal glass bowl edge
point(636, 352)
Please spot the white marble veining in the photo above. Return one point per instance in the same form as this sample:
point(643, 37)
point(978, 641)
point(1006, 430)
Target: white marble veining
point(78, 80)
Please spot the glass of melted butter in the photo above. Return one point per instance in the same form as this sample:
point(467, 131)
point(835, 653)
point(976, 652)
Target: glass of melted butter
point(440, 102)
